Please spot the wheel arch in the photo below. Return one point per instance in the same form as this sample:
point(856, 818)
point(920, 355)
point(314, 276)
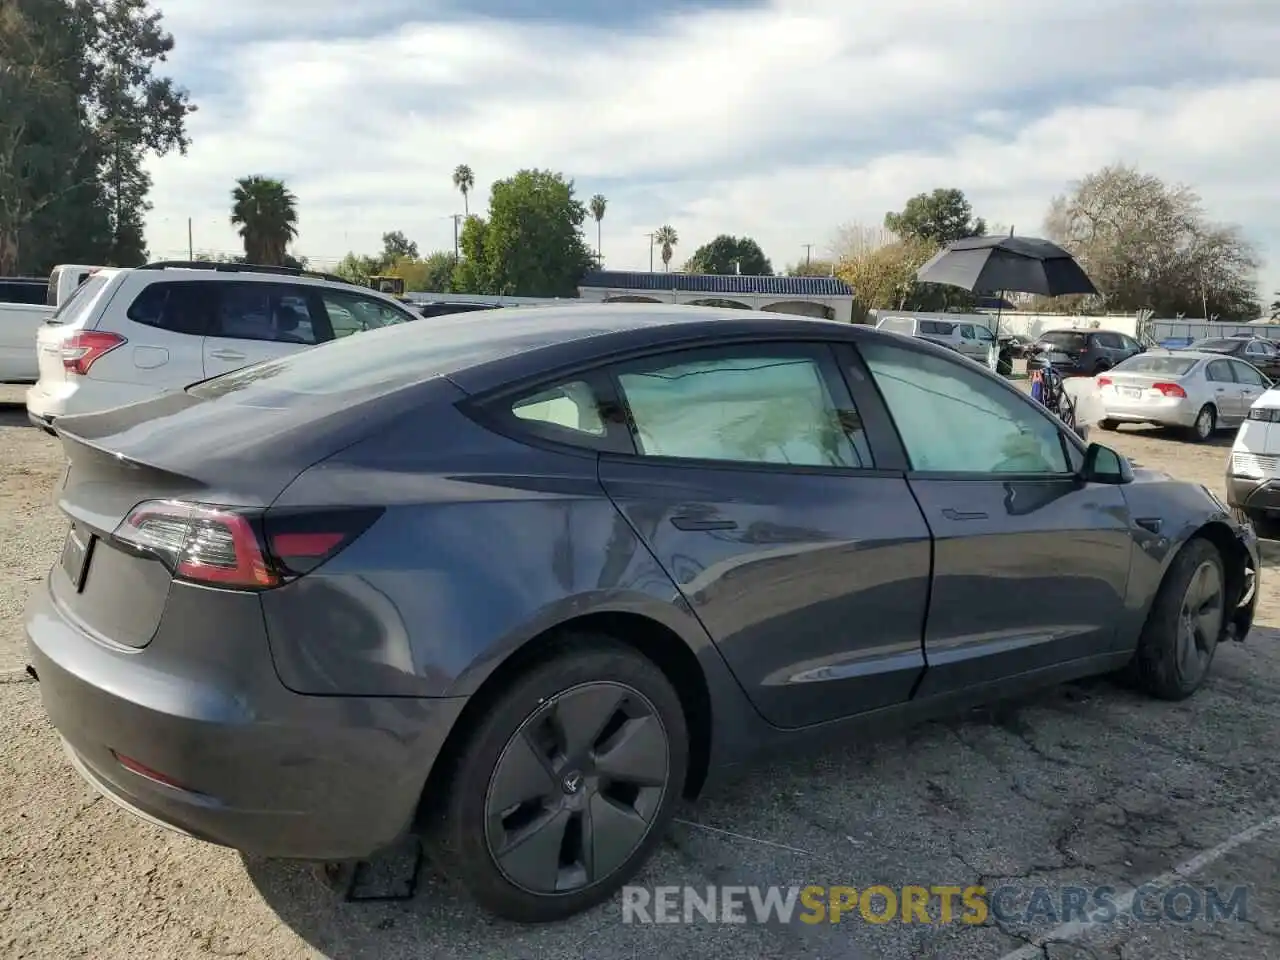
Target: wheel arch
point(1236, 564)
point(654, 640)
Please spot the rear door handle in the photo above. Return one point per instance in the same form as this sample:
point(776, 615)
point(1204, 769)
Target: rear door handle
point(227, 355)
point(963, 514)
point(695, 523)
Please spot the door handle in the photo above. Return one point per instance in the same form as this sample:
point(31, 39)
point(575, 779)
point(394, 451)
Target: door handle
point(695, 523)
point(963, 514)
point(227, 355)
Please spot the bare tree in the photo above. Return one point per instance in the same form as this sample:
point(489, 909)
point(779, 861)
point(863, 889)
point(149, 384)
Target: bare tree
point(1147, 245)
point(853, 240)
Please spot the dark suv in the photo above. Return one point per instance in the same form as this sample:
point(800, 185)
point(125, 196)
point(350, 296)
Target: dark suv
point(1086, 352)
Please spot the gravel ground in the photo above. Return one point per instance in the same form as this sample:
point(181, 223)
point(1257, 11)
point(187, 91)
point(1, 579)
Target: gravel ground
point(1081, 785)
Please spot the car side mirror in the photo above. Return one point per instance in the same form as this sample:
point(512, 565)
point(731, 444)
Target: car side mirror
point(1104, 465)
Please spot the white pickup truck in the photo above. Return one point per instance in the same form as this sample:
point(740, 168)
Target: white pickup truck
point(20, 322)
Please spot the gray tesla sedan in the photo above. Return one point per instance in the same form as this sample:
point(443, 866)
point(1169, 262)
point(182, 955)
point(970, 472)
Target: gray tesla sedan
point(520, 581)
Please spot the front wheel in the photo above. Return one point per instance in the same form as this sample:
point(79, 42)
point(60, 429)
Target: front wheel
point(1109, 424)
point(1181, 634)
point(1205, 423)
point(566, 785)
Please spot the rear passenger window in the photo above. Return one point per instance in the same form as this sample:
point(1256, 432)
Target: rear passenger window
point(263, 311)
point(1219, 371)
point(937, 327)
point(351, 313)
point(177, 307)
point(569, 406)
point(764, 406)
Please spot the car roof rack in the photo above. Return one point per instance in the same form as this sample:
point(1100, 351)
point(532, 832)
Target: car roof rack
point(244, 268)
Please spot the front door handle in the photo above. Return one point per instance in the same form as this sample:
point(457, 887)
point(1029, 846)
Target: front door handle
point(963, 514)
point(697, 523)
point(227, 355)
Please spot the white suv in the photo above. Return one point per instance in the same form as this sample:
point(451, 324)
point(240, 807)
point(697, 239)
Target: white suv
point(130, 334)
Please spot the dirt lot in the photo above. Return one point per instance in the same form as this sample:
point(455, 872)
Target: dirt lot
point(1084, 785)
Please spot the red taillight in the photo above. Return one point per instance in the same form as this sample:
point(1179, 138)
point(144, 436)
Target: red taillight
point(1169, 389)
point(81, 350)
point(1104, 381)
point(223, 547)
point(199, 543)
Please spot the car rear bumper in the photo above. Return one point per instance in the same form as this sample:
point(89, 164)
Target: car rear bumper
point(225, 753)
point(1172, 411)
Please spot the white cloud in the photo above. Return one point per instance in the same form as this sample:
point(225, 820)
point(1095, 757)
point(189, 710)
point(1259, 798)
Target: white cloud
point(780, 122)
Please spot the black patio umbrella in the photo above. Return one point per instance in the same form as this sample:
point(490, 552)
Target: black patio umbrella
point(1007, 264)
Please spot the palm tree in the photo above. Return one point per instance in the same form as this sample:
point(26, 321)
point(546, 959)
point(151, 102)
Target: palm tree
point(464, 180)
point(666, 238)
point(596, 206)
point(267, 214)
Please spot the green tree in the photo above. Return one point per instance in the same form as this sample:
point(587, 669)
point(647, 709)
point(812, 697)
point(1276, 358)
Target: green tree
point(464, 182)
point(726, 255)
point(472, 273)
point(941, 217)
point(667, 239)
point(267, 214)
point(597, 208)
point(396, 246)
point(531, 245)
point(133, 111)
point(1146, 244)
point(813, 268)
point(885, 277)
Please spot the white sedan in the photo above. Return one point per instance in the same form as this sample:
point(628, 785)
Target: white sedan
point(1199, 392)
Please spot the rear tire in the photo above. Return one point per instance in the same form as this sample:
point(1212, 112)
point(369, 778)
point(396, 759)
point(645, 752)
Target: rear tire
point(566, 785)
point(1206, 423)
point(1180, 637)
point(1108, 424)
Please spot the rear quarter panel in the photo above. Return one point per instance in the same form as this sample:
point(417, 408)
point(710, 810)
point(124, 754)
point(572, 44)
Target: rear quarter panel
point(485, 543)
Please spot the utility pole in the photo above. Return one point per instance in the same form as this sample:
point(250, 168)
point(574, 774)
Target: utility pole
point(191, 249)
point(456, 218)
point(808, 250)
point(651, 236)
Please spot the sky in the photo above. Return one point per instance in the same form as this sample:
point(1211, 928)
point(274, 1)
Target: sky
point(781, 120)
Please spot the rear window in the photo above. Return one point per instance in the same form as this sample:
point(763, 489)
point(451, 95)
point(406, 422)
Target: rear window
point(1068, 339)
point(937, 327)
point(76, 309)
point(386, 359)
point(898, 325)
point(1159, 366)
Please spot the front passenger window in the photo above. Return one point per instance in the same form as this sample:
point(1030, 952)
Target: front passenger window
point(953, 419)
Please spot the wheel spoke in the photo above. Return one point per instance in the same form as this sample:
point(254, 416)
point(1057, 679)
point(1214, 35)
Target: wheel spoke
point(522, 775)
point(636, 754)
point(1187, 655)
point(581, 715)
point(610, 834)
point(532, 857)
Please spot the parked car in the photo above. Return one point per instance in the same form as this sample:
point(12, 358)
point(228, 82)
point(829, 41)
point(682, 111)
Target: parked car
point(440, 308)
point(1086, 352)
point(131, 334)
point(523, 581)
point(971, 339)
point(1255, 351)
point(1253, 470)
point(1198, 391)
point(23, 308)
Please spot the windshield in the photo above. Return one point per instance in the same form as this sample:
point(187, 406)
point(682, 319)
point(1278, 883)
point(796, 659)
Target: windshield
point(1066, 339)
point(1215, 345)
point(898, 325)
point(1157, 366)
